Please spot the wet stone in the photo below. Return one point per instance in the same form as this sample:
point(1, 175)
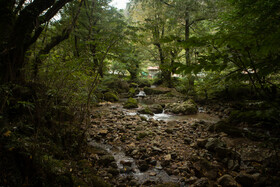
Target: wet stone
point(106, 160)
point(201, 142)
point(245, 179)
point(143, 166)
point(126, 169)
point(113, 171)
point(126, 163)
point(167, 157)
point(227, 181)
point(191, 180)
point(202, 182)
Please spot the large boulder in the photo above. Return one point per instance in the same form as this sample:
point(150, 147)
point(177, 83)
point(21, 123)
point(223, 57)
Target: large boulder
point(156, 108)
point(187, 107)
point(131, 103)
point(146, 110)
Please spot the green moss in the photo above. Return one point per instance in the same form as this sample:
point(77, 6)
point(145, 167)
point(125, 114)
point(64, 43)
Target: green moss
point(109, 96)
point(156, 108)
point(146, 110)
point(187, 107)
point(131, 103)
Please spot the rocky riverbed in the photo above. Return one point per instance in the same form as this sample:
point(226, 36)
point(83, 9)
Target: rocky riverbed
point(130, 149)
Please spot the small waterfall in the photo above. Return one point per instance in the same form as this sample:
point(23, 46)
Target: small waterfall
point(141, 94)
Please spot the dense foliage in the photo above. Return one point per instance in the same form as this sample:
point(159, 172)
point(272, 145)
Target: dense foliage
point(60, 57)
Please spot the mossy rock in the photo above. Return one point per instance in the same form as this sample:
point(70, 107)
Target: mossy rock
point(187, 107)
point(156, 108)
point(109, 96)
point(224, 126)
point(146, 110)
point(131, 103)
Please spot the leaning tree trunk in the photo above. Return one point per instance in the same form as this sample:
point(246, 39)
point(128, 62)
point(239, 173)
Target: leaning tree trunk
point(20, 28)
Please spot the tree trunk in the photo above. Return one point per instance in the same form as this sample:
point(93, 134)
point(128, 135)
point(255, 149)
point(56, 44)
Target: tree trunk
point(187, 37)
point(187, 49)
point(19, 32)
point(166, 74)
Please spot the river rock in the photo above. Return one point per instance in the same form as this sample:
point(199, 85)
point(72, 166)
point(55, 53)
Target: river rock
point(103, 132)
point(106, 160)
point(191, 180)
point(245, 179)
point(131, 103)
point(201, 142)
point(157, 150)
point(113, 171)
point(214, 143)
point(224, 126)
point(169, 131)
point(143, 165)
point(126, 169)
point(204, 168)
point(156, 108)
point(227, 181)
point(126, 163)
point(146, 110)
point(167, 157)
point(202, 182)
point(187, 107)
point(187, 141)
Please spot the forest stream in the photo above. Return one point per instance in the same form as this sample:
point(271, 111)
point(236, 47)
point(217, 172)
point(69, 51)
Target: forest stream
point(141, 149)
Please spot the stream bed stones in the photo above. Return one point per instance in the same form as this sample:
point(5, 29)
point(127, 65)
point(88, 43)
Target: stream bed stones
point(146, 152)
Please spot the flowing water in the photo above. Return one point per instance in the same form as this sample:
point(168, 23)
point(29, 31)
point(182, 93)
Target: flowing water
point(171, 117)
point(156, 174)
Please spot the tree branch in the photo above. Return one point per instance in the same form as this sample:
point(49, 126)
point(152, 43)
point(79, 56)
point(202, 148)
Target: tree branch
point(166, 3)
point(19, 6)
point(56, 40)
point(53, 11)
